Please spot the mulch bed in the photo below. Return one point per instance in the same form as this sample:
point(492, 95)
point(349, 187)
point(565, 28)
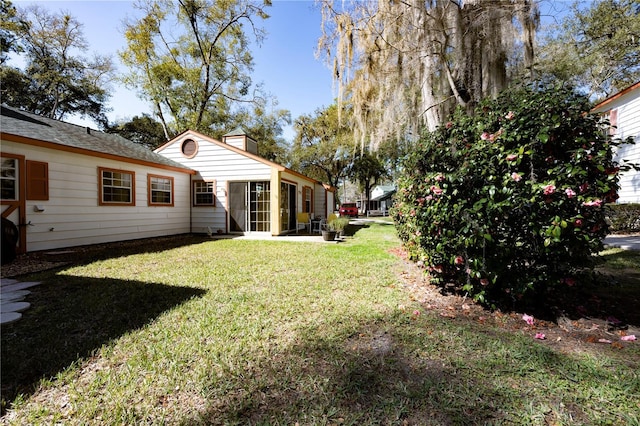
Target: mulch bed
point(576, 330)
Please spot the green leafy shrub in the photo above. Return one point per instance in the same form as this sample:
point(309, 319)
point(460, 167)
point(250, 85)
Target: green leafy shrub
point(624, 217)
point(510, 201)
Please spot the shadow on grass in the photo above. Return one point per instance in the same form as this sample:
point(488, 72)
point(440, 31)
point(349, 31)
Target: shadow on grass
point(611, 290)
point(69, 318)
point(95, 252)
point(352, 228)
point(34, 262)
point(383, 375)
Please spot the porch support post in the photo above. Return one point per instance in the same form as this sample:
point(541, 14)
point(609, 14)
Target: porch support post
point(275, 202)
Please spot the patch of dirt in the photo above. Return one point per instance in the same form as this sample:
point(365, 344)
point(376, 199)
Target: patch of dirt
point(586, 329)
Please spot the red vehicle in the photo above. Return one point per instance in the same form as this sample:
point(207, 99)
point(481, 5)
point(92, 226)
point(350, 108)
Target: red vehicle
point(348, 209)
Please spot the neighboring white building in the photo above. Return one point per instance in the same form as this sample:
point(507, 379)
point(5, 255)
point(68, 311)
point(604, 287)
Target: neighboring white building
point(623, 112)
point(65, 185)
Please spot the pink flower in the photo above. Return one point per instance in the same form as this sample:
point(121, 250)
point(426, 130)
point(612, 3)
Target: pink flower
point(549, 189)
point(484, 136)
point(510, 115)
point(515, 176)
point(584, 187)
point(512, 157)
point(429, 197)
point(418, 233)
point(449, 125)
point(629, 338)
point(436, 190)
point(440, 177)
point(578, 223)
point(594, 203)
point(528, 319)
point(570, 192)
point(540, 336)
point(416, 312)
point(484, 282)
point(459, 260)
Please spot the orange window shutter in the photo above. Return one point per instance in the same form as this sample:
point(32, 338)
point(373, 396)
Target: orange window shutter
point(37, 180)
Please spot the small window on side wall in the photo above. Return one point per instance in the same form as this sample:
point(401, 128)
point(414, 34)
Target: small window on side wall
point(160, 190)
point(9, 179)
point(116, 187)
point(204, 193)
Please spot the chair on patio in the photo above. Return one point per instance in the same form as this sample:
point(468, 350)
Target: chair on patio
point(304, 221)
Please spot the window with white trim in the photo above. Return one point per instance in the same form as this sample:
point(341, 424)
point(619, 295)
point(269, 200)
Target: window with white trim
point(117, 187)
point(160, 190)
point(9, 179)
point(204, 193)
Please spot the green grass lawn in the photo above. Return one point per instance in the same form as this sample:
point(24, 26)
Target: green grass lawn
point(280, 333)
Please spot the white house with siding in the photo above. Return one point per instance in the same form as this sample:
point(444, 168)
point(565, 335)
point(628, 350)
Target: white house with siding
point(64, 185)
point(623, 112)
point(237, 191)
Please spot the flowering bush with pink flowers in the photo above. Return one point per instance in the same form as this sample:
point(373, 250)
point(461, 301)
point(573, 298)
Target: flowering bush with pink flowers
point(510, 201)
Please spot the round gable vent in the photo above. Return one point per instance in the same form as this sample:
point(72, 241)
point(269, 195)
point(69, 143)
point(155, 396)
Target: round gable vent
point(189, 148)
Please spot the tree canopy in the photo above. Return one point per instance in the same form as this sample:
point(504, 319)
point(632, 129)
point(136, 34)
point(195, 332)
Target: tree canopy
point(323, 147)
point(368, 170)
point(11, 26)
point(142, 129)
point(191, 60)
point(596, 49)
point(58, 80)
point(405, 64)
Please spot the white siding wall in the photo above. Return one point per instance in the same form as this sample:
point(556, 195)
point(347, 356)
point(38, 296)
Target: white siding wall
point(629, 126)
point(214, 162)
point(72, 216)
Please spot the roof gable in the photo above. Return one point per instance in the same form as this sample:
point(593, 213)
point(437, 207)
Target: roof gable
point(196, 135)
point(57, 134)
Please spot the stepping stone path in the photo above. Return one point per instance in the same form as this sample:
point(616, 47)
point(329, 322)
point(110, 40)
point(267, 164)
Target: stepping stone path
point(12, 294)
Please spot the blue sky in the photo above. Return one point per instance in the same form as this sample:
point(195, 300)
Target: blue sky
point(285, 63)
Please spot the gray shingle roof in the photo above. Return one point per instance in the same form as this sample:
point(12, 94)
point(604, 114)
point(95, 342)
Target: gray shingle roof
point(20, 123)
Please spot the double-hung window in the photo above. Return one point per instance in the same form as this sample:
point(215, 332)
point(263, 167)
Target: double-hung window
point(117, 187)
point(9, 179)
point(160, 190)
point(204, 193)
